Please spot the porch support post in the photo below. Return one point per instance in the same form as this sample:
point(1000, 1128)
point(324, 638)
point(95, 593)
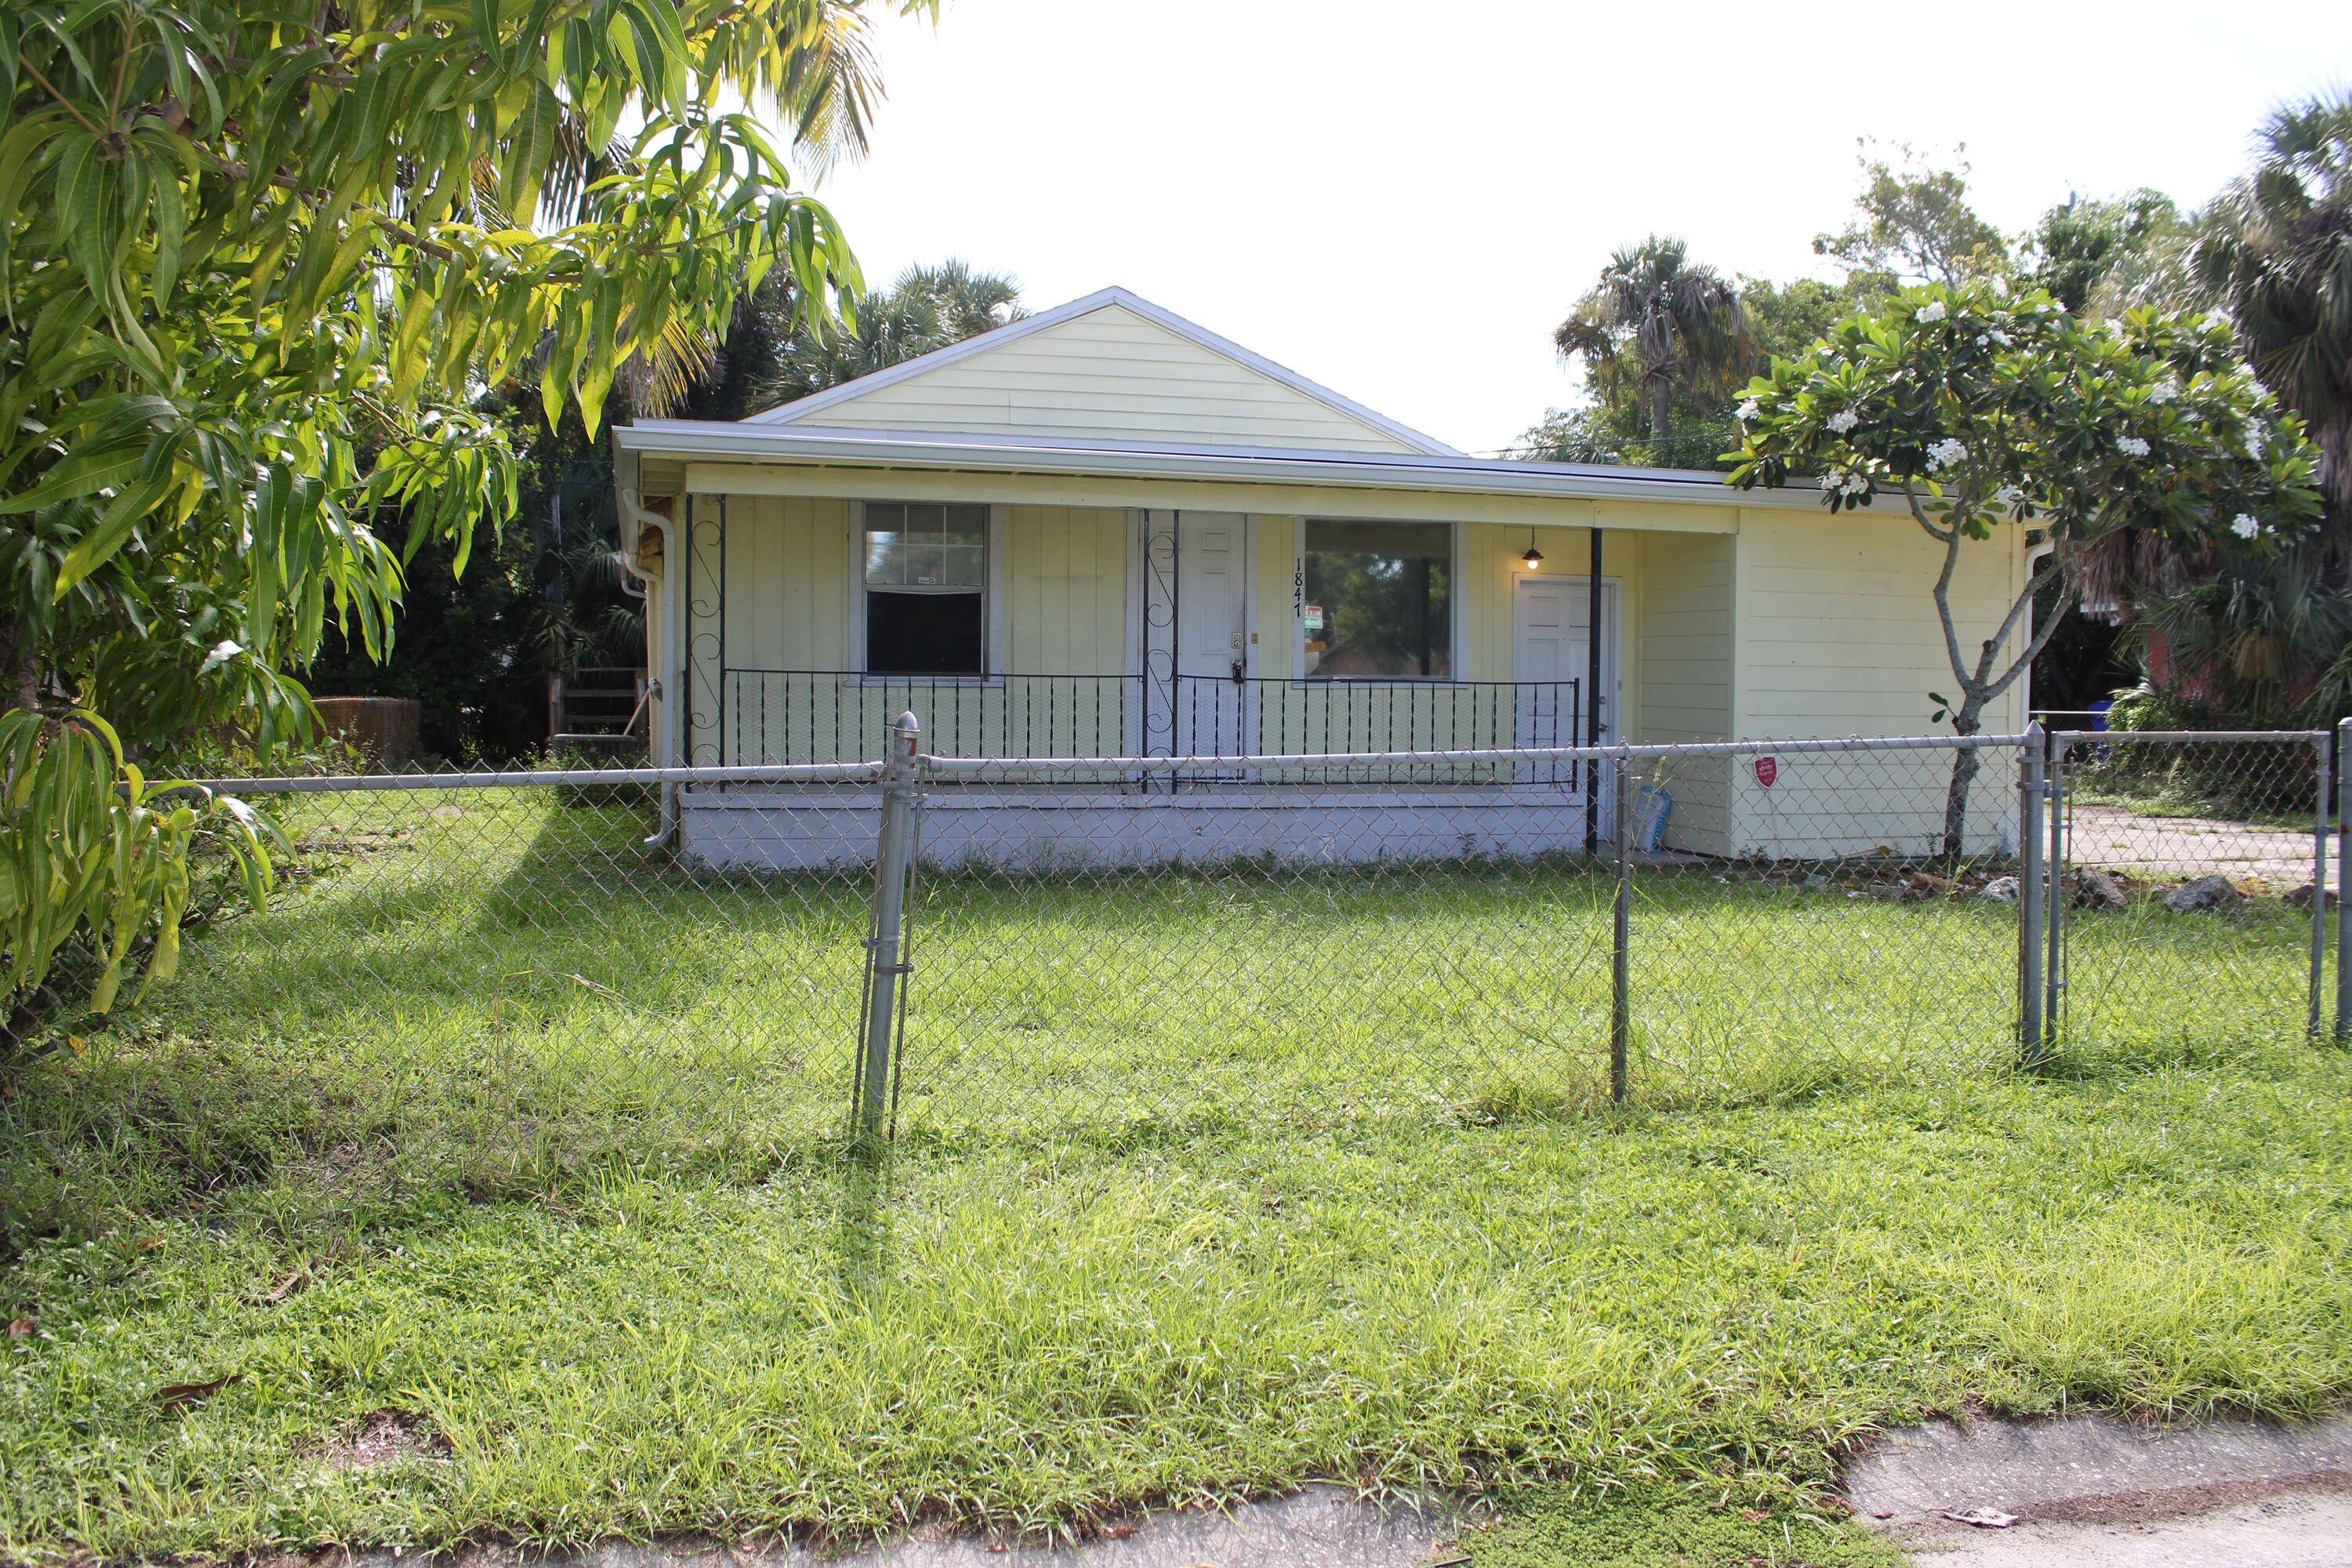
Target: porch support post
point(1592, 698)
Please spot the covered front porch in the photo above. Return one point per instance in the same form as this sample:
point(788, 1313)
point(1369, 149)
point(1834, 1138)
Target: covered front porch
point(803, 607)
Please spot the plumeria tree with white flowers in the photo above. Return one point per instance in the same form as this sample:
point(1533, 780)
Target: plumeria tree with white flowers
point(1980, 411)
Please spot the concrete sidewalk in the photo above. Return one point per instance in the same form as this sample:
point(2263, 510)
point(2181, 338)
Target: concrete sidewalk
point(2094, 1492)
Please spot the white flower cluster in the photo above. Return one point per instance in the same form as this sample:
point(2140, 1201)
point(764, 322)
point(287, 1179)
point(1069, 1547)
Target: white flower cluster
point(1933, 310)
point(1748, 410)
point(2246, 527)
point(1946, 452)
point(2255, 440)
point(2000, 286)
point(2164, 391)
point(2131, 446)
point(2008, 495)
point(1844, 420)
point(1852, 483)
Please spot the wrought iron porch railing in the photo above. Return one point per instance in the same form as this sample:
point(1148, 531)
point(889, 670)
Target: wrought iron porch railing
point(773, 715)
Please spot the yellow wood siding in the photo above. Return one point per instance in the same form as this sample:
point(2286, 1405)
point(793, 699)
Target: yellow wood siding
point(1275, 655)
point(1066, 590)
point(1838, 635)
point(1684, 668)
point(765, 665)
point(1109, 374)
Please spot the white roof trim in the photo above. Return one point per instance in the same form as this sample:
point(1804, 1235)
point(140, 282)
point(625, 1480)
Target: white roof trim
point(797, 411)
point(746, 442)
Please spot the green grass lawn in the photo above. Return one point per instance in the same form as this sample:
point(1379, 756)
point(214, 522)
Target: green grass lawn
point(1204, 1186)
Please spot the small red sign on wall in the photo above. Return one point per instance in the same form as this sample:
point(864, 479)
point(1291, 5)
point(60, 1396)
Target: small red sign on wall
point(1766, 770)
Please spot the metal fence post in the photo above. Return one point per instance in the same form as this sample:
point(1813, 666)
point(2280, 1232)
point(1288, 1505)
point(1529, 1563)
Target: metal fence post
point(2323, 798)
point(2054, 911)
point(1621, 1000)
point(886, 943)
point(2343, 855)
point(2031, 906)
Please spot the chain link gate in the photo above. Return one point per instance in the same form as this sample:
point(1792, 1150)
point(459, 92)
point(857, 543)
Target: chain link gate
point(2187, 904)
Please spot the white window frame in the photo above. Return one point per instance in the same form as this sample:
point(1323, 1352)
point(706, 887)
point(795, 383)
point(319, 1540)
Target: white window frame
point(1457, 631)
point(992, 603)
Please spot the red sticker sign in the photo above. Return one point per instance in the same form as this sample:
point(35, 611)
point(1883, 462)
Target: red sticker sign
point(1766, 770)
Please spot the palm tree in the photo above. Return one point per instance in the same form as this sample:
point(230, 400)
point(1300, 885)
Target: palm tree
point(2271, 638)
point(1655, 323)
point(928, 308)
point(2275, 250)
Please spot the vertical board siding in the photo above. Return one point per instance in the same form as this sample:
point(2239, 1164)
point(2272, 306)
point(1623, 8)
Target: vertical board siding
point(787, 609)
point(1112, 375)
point(1685, 666)
point(780, 693)
point(1066, 590)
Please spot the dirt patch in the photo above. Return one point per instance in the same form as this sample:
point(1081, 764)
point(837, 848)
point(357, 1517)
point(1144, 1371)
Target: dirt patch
point(382, 1438)
point(2187, 1502)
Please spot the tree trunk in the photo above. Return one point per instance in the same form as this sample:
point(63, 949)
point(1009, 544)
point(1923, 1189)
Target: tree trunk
point(1966, 761)
point(1662, 397)
point(22, 664)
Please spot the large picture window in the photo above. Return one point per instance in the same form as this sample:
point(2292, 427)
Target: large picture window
point(926, 589)
point(1379, 599)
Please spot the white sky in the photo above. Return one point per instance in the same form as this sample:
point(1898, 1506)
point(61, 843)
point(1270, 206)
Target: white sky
point(1400, 200)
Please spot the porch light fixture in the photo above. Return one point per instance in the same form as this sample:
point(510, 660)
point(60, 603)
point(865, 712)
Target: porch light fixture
point(1534, 557)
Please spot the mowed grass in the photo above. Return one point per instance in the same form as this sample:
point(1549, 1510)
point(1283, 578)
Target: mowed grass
point(1204, 1186)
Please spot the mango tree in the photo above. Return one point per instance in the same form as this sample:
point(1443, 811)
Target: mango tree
point(257, 264)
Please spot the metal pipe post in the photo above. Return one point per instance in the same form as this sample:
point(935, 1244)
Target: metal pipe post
point(2343, 858)
point(1621, 966)
point(2053, 912)
point(2033, 905)
point(2324, 797)
point(885, 947)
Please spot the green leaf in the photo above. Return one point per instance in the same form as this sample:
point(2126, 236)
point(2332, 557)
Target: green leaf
point(114, 529)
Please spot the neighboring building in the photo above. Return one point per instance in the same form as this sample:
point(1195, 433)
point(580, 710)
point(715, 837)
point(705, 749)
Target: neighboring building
point(1103, 530)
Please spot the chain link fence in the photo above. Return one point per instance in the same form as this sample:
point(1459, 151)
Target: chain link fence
point(2189, 914)
point(498, 984)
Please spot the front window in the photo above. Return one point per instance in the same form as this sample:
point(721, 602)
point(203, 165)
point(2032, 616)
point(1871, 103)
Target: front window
point(926, 589)
point(1379, 599)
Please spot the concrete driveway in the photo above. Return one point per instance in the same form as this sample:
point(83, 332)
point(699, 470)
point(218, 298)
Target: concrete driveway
point(2165, 847)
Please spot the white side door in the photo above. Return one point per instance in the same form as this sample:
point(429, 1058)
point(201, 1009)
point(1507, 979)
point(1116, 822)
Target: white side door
point(1551, 647)
point(1211, 715)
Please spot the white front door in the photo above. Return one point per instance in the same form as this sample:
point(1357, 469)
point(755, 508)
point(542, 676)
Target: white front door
point(1211, 714)
point(1551, 649)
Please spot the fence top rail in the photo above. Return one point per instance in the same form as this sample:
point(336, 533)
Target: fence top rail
point(341, 784)
point(974, 767)
point(2124, 737)
point(946, 680)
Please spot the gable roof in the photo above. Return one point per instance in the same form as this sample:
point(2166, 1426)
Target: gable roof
point(1111, 365)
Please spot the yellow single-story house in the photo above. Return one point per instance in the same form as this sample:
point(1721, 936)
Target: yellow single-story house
point(1104, 531)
